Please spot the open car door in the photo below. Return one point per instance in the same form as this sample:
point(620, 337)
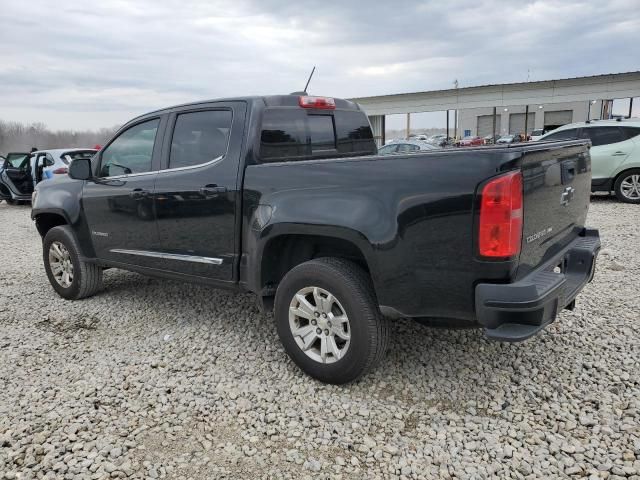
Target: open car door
point(16, 177)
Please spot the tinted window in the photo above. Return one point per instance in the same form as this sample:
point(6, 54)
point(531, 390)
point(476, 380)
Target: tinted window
point(354, 133)
point(289, 134)
point(603, 135)
point(321, 132)
point(131, 151)
point(69, 156)
point(630, 132)
point(283, 134)
point(569, 134)
point(199, 137)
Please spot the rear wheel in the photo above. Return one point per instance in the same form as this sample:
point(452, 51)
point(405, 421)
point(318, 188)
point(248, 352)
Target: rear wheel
point(70, 276)
point(328, 320)
point(627, 186)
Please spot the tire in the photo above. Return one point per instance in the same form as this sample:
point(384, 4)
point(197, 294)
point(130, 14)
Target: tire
point(628, 178)
point(85, 279)
point(367, 330)
point(10, 201)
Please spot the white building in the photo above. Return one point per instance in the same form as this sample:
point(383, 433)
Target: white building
point(549, 103)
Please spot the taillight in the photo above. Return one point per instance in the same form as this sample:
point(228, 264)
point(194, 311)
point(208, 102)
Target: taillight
point(500, 233)
point(324, 103)
point(60, 170)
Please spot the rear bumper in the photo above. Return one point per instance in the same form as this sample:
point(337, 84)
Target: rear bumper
point(516, 311)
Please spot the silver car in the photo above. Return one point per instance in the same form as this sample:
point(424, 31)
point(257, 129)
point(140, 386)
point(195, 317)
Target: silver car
point(405, 146)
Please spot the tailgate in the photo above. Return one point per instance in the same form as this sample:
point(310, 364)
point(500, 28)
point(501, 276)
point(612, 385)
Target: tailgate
point(557, 189)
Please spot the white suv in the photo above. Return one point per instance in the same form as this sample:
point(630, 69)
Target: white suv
point(615, 155)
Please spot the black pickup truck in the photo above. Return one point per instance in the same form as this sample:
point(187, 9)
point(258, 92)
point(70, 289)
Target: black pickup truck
point(285, 196)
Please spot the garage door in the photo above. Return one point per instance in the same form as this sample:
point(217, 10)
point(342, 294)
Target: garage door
point(485, 125)
point(516, 123)
point(557, 119)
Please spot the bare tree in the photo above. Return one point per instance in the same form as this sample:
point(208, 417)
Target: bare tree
point(19, 137)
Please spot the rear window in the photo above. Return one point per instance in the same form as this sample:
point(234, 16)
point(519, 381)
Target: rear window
point(630, 132)
point(70, 156)
point(603, 135)
point(295, 134)
point(569, 134)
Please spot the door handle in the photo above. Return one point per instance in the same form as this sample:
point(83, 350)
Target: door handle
point(138, 193)
point(209, 190)
point(618, 154)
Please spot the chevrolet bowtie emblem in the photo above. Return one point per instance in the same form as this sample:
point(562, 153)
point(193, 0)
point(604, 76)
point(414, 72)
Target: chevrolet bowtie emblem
point(567, 196)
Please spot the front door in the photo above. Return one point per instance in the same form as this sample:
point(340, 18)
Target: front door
point(118, 203)
point(196, 192)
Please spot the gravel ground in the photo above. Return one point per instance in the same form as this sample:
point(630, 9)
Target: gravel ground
point(158, 379)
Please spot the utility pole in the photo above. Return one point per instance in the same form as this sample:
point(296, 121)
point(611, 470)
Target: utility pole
point(408, 125)
point(526, 122)
point(630, 107)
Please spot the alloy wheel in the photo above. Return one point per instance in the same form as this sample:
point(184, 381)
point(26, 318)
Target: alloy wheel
point(61, 264)
point(630, 187)
point(319, 325)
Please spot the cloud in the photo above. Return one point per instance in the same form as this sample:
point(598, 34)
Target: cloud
point(70, 64)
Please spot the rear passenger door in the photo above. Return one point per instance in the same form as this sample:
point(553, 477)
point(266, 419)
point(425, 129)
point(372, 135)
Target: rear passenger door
point(197, 190)
point(610, 148)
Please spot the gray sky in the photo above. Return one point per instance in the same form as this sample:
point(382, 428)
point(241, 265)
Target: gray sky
point(71, 64)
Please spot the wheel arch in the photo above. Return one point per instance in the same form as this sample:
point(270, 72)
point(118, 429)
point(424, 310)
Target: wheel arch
point(288, 246)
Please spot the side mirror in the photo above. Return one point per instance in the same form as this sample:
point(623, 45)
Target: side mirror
point(80, 169)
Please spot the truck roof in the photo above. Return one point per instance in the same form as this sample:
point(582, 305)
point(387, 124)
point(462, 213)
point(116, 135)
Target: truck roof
point(289, 100)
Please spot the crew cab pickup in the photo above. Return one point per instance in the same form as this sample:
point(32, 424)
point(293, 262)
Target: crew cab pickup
point(285, 196)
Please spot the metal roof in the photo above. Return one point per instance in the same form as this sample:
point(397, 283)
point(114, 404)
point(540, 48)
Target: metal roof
point(605, 86)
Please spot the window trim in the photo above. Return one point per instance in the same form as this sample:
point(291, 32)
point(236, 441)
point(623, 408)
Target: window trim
point(117, 135)
point(172, 127)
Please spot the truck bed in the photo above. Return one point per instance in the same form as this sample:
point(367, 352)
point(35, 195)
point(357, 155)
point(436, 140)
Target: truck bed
point(414, 216)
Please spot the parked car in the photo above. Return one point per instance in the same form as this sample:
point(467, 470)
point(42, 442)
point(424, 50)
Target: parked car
point(490, 139)
point(22, 171)
point(615, 154)
point(471, 141)
point(405, 146)
point(537, 134)
point(420, 137)
point(506, 139)
point(285, 196)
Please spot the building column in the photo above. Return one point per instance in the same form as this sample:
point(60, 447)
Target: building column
point(378, 127)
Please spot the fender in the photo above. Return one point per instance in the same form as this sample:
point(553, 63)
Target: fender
point(256, 241)
point(66, 202)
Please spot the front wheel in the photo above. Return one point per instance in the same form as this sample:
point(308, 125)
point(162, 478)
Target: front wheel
point(627, 186)
point(70, 276)
point(328, 320)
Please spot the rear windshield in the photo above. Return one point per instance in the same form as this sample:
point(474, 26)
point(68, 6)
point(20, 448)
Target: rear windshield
point(297, 134)
point(69, 156)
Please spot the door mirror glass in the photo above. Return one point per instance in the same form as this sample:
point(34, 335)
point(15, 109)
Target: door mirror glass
point(80, 169)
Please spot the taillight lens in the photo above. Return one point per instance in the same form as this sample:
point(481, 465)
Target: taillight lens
point(60, 170)
point(500, 233)
point(323, 103)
